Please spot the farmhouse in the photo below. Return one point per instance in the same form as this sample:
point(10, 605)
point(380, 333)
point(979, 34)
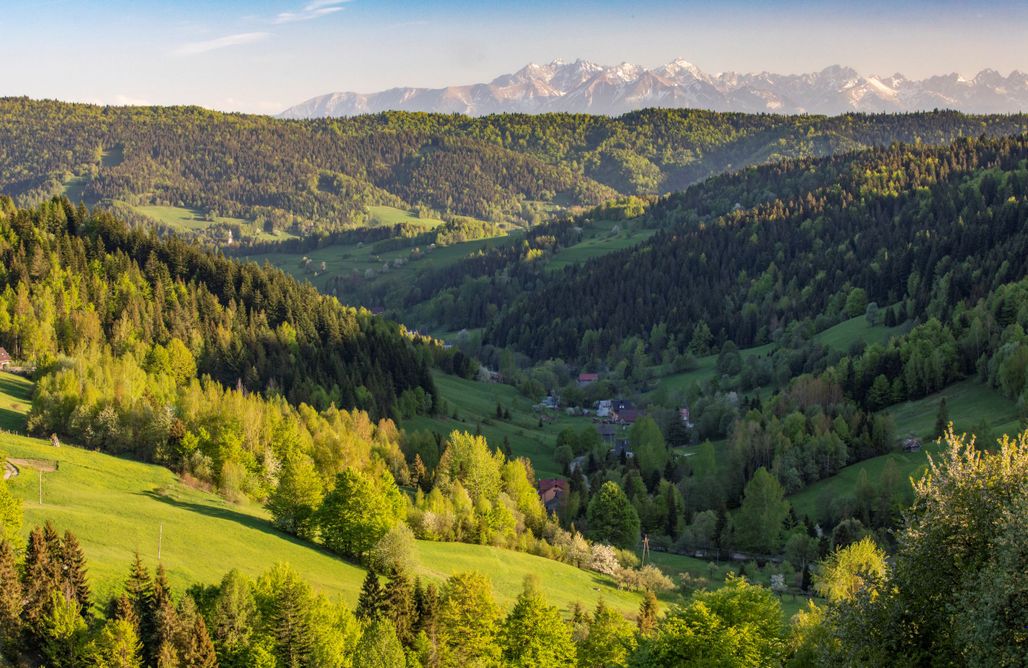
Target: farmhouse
point(5, 358)
point(552, 491)
point(587, 379)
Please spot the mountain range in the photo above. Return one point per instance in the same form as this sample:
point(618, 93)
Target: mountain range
point(585, 87)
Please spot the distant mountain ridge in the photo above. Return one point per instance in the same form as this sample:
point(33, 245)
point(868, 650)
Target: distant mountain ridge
point(585, 87)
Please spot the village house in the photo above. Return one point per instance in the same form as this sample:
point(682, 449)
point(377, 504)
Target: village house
point(683, 414)
point(5, 358)
point(552, 491)
point(587, 379)
point(603, 408)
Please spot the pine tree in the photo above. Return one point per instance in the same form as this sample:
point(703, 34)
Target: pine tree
point(199, 648)
point(941, 419)
point(74, 566)
point(40, 579)
point(291, 624)
point(647, 621)
point(53, 543)
point(426, 602)
point(139, 589)
point(10, 601)
point(371, 603)
point(419, 473)
point(400, 608)
point(165, 629)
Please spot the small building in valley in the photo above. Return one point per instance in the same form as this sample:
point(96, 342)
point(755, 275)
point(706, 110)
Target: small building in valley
point(587, 379)
point(5, 358)
point(552, 491)
point(911, 444)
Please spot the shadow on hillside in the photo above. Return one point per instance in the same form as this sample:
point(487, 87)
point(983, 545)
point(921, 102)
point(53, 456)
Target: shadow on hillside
point(16, 390)
point(230, 515)
point(12, 420)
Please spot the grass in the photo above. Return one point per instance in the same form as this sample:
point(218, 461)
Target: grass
point(182, 219)
point(345, 259)
point(971, 405)
point(117, 506)
point(599, 239)
point(715, 573)
point(475, 403)
point(841, 337)
point(389, 215)
point(705, 370)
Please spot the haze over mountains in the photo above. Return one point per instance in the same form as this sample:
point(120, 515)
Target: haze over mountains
point(585, 87)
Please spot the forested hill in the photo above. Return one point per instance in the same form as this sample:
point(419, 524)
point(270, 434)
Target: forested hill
point(75, 282)
point(317, 176)
point(935, 225)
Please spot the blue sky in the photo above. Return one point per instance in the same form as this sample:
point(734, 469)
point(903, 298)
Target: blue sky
point(266, 55)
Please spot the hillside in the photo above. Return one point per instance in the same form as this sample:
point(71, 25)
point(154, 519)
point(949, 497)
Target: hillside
point(117, 507)
point(865, 221)
point(262, 179)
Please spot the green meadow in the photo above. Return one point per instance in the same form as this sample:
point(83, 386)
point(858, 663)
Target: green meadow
point(475, 404)
point(117, 507)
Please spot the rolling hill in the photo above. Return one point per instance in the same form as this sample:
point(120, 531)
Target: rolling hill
point(117, 507)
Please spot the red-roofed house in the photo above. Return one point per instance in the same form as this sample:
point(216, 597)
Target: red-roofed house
point(552, 491)
point(586, 379)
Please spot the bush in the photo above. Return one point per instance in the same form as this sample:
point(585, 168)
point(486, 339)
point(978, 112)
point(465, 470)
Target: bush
point(395, 552)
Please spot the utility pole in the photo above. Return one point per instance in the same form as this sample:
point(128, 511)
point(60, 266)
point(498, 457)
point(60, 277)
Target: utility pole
point(646, 548)
point(160, 542)
point(41, 487)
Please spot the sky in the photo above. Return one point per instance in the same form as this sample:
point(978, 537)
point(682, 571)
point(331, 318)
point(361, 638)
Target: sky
point(263, 56)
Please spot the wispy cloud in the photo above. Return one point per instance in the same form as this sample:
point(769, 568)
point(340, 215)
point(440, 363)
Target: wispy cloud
point(193, 48)
point(312, 10)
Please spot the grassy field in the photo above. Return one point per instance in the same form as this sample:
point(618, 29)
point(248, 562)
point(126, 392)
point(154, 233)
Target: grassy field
point(679, 564)
point(475, 403)
point(839, 337)
point(183, 219)
point(842, 336)
point(117, 506)
point(344, 259)
point(814, 500)
point(970, 405)
point(389, 215)
point(599, 239)
point(705, 370)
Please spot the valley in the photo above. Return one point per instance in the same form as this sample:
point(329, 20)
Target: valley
point(409, 372)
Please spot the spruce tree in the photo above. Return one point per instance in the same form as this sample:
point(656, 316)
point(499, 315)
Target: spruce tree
point(371, 603)
point(400, 608)
point(10, 601)
point(74, 567)
point(40, 579)
point(139, 589)
point(121, 608)
point(941, 418)
point(198, 648)
point(647, 621)
point(291, 624)
point(163, 641)
point(426, 602)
